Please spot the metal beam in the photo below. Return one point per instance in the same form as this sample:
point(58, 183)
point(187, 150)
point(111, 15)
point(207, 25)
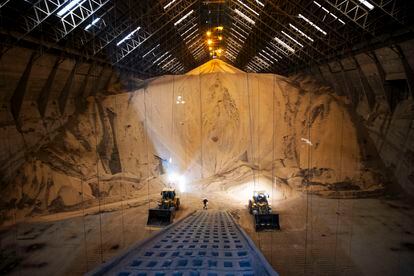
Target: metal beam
point(77, 16)
point(40, 11)
point(4, 3)
point(177, 10)
point(353, 10)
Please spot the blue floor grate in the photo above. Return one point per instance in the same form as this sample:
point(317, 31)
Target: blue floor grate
point(206, 243)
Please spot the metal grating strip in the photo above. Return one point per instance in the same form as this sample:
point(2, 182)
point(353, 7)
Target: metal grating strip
point(206, 243)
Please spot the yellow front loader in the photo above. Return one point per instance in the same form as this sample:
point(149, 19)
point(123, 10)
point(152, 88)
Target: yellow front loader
point(165, 212)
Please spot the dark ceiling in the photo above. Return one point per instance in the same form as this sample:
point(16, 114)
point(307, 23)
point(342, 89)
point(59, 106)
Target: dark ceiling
point(152, 38)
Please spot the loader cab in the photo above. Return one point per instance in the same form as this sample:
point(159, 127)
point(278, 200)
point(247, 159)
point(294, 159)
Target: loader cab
point(168, 194)
point(164, 213)
point(263, 217)
point(260, 197)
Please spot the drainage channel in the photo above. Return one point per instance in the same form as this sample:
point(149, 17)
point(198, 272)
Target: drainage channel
point(206, 243)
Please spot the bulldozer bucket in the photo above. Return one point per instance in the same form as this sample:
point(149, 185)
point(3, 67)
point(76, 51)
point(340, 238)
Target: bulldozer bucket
point(266, 221)
point(160, 217)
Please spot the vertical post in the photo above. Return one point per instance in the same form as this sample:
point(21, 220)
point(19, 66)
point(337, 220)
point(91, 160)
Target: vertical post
point(409, 73)
point(64, 94)
point(369, 93)
point(98, 82)
point(43, 98)
point(16, 100)
point(381, 73)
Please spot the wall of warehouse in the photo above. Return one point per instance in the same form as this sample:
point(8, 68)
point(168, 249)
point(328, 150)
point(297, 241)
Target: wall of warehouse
point(379, 86)
point(39, 93)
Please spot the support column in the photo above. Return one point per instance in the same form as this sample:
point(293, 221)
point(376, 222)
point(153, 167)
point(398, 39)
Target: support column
point(108, 82)
point(16, 100)
point(369, 93)
point(409, 73)
point(381, 73)
point(98, 82)
point(85, 81)
point(64, 94)
point(43, 98)
point(350, 93)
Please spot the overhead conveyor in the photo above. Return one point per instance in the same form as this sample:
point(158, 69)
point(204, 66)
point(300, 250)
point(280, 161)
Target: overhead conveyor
point(206, 243)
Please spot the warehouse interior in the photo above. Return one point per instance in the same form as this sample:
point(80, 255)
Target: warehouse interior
point(105, 103)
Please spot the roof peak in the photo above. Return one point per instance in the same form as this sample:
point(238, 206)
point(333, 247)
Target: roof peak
point(215, 66)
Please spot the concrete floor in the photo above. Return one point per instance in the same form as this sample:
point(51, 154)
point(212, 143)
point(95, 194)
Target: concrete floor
point(318, 237)
point(340, 237)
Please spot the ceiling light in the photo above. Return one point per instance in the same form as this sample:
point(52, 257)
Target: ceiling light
point(260, 3)
point(247, 7)
point(328, 12)
point(236, 37)
point(263, 56)
point(294, 40)
point(189, 29)
point(234, 30)
point(209, 41)
point(160, 57)
point(193, 44)
point(248, 19)
point(128, 36)
point(93, 23)
point(169, 4)
point(272, 51)
point(150, 51)
point(278, 40)
point(192, 33)
point(240, 28)
point(313, 24)
point(366, 4)
point(299, 31)
point(184, 17)
point(164, 59)
point(69, 7)
point(208, 33)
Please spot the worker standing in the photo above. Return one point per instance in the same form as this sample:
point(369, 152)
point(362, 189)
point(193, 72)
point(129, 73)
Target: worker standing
point(205, 202)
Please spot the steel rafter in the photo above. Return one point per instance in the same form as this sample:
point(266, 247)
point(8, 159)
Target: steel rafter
point(76, 16)
point(266, 29)
point(344, 24)
point(40, 11)
point(168, 36)
point(176, 11)
point(353, 10)
point(393, 8)
point(106, 35)
point(239, 48)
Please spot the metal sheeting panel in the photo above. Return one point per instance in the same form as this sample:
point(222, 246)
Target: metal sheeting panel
point(204, 243)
